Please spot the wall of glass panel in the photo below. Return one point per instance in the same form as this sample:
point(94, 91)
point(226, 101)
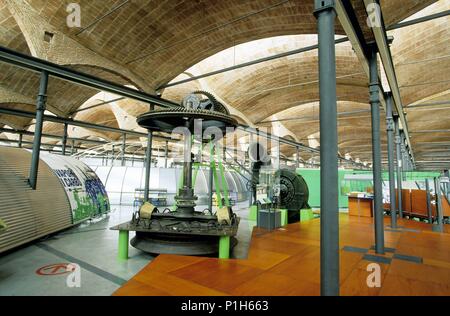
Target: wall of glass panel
point(123, 184)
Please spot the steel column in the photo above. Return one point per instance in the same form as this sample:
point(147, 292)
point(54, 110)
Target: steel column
point(20, 140)
point(399, 166)
point(446, 184)
point(376, 152)
point(148, 165)
point(390, 127)
point(429, 211)
point(187, 161)
point(72, 148)
point(64, 139)
point(298, 157)
point(329, 223)
point(124, 143)
point(439, 217)
point(166, 153)
point(112, 155)
point(403, 151)
point(211, 180)
point(40, 108)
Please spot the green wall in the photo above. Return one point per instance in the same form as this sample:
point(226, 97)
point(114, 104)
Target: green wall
point(312, 178)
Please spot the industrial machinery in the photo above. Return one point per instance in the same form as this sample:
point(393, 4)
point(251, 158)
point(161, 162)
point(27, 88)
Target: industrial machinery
point(293, 193)
point(185, 230)
point(288, 190)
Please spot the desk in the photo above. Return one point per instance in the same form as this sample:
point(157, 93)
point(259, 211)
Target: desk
point(360, 206)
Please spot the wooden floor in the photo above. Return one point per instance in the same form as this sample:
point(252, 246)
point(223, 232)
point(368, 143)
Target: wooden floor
point(287, 262)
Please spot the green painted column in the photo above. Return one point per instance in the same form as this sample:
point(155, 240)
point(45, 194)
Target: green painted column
point(123, 244)
point(224, 247)
point(284, 217)
point(306, 215)
point(252, 213)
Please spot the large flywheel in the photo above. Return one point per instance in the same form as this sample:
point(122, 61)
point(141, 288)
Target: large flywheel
point(184, 230)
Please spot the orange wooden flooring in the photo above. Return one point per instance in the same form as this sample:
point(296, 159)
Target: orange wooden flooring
point(287, 262)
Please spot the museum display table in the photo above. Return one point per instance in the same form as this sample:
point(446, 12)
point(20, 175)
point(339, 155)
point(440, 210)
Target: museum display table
point(360, 206)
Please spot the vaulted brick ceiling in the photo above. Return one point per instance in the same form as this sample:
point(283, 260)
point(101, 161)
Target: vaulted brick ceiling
point(161, 40)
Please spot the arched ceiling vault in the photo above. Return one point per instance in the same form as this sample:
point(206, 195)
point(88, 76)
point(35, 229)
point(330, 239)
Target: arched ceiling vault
point(148, 43)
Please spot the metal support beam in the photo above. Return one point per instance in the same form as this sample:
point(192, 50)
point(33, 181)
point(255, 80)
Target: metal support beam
point(429, 210)
point(439, 216)
point(43, 145)
point(64, 139)
point(399, 166)
point(349, 22)
point(72, 148)
point(40, 108)
point(112, 155)
point(376, 152)
point(329, 222)
point(382, 43)
point(64, 73)
point(282, 140)
point(148, 161)
point(298, 158)
point(20, 140)
point(60, 120)
point(419, 20)
point(211, 181)
point(166, 154)
point(124, 144)
point(390, 127)
point(148, 165)
point(187, 161)
point(45, 135)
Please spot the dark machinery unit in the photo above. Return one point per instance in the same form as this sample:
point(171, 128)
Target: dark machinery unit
point(293, 193)
point(269, 219)
point(184, 230)
point(292, 190)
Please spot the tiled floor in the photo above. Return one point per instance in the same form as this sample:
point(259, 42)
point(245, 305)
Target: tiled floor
point(94, 247)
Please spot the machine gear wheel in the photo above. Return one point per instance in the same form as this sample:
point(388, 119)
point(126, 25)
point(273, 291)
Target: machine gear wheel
point(166, 120)
point(203, 100)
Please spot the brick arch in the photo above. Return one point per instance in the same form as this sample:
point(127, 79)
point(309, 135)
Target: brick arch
point(15, 121)
point(265, 89)
point(417, 50)
point(104, 72)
